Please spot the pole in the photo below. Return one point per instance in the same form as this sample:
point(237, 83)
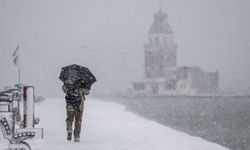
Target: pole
point(160, 5)
point(19, 75)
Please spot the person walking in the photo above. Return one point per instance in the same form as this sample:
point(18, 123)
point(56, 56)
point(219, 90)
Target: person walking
point(77, 81)
point(75, 98)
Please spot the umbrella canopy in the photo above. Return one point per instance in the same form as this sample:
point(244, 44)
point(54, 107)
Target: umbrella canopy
point(77, 76)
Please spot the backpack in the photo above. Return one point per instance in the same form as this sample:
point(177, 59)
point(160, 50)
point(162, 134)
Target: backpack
point(74, 98)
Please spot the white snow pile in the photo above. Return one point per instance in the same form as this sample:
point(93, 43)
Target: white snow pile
point(108, 126)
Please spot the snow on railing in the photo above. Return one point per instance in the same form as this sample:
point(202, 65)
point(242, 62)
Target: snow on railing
point(17, 109)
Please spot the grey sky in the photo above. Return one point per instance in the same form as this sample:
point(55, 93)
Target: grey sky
point(108, 37)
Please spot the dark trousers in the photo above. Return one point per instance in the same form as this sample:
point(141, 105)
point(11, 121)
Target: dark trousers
point(76, 117)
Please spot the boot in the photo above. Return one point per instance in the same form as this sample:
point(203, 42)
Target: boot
point(69, 137)
point(77, 139)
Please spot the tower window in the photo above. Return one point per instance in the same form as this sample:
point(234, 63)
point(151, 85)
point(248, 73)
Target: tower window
point(139, 86)
point(155, 88)
point(157, 40)
point(170, 85)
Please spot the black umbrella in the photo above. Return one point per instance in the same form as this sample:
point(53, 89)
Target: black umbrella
point(77, 76)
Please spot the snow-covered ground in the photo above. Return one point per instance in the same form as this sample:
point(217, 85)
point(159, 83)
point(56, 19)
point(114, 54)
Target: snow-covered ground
point(108, 126)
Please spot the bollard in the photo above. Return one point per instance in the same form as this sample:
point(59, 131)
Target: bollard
point(27, 112)
point(28, 99)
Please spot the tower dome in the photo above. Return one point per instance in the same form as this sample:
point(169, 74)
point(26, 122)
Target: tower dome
point(160, 24)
